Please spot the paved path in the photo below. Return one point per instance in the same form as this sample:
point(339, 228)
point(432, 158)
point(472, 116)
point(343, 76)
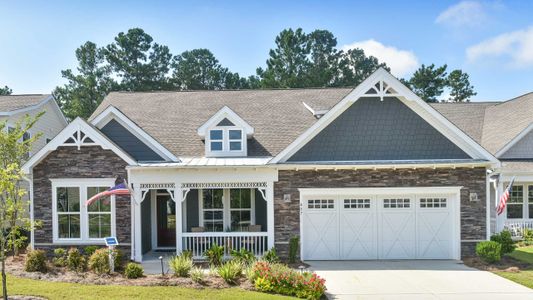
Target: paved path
point(414, 280)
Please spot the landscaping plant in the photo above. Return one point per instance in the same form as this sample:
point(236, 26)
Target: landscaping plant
point(214, 255)
point(60, 257)
point(76, 261)
point(133, 271)
point(230, 271)
point(99, 262)
point(35, 261)
point(505, 240)
point(13, 217)
point(271, 256)
point(181, 265)
point(197, 275)
point(243, 256)
point(118, 258)
point(293, 248)
point(527, 235)
point(489, 251)
point(89, 250)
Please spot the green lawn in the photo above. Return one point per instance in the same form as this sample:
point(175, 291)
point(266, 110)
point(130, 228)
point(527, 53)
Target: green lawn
point(524, 277)
point(60, 290)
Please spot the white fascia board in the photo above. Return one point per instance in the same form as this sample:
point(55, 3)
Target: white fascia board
point(405, 95)
point(112, 112)
point(228, 113)
point(515, 140)
point(28, 108)
point(88, 130)
point(381, 190)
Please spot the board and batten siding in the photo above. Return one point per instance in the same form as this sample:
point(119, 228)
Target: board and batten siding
point(371, 129)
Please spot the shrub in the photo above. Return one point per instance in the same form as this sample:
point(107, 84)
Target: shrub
point(271, 256)
point(181, 265)
point(75, 261)
point(36, 261)
point(293, 248)
point(118, 258)
point(527, 235)
point(133, 271)
point(243, 256)
point(489, 251)
point(280, 279)
point(60, 257)
point(89, 250)
point(214, 255)
point(187, 253)
point(230, 271)
point(505, 240)
point(99, 262)
point(197, 275)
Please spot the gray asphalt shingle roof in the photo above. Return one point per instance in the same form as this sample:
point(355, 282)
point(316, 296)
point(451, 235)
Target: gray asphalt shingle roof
point(15, 102)
point(172, 118)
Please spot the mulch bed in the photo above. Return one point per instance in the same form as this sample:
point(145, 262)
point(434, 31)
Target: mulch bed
point(507, 264)
point(15, 266)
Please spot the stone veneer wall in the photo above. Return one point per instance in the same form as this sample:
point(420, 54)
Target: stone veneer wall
point(69, 162)
point(473, 214)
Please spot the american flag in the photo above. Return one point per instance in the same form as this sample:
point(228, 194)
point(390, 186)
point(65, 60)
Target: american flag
point(119, 189)
point(504, 198)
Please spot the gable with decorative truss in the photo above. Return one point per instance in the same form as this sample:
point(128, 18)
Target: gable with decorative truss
point(382, 119)
point(77, 134)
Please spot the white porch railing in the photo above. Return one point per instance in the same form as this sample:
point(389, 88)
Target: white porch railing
point(199, 242)
point(516, 227)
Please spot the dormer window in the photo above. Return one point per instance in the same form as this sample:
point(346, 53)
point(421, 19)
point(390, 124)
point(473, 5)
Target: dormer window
point(225, 134)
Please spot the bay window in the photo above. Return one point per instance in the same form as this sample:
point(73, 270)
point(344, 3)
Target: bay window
point(73, 221)
point(226, 209)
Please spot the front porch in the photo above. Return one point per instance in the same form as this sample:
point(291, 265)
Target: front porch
point(192, 216)
point(517, 227)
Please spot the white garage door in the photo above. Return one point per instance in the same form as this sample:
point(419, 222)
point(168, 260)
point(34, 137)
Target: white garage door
point(362, 227)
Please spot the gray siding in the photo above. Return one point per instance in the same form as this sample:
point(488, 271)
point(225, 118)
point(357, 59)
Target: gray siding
point(522, 149)
point(146, 224)
point(378, 130)
point(129, 142)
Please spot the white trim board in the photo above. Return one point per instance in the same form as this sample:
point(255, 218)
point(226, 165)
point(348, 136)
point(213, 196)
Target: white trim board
point(228, 113)
point(400, 91)
point(78, 125)
point(112, 113)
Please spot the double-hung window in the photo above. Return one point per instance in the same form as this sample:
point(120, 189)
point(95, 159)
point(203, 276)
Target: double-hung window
point(235, 140)
point(226, 209)
point(520, 203)
point(74, 221)
point(226, 141)
point(216, 140)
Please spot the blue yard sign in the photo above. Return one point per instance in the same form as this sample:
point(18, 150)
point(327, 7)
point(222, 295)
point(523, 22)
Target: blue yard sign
point(111, 241)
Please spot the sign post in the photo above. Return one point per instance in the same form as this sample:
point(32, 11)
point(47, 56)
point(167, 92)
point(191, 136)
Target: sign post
point(111, 242)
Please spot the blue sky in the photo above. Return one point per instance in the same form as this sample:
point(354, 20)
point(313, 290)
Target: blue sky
point(491, 40)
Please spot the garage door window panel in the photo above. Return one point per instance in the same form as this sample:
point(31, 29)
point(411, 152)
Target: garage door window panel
point(433, 202)
point(357, 203)
point(321, 203)
point(397, 203)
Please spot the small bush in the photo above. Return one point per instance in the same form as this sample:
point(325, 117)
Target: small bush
point(280, 279)
point(271, 256)
point(214, 255)
point(118, 258)
point(181, 265)
point(99, 262)
point(527, 235)
point(133, 271)
point(186, 253)
point(293, 249)
point(197, 275)
point(60, 257)
point(505, 240)
point(89, 250)
point(36, 261)
point(243, 256)
point(230, 271)
point(489, 251)
point(75, 261)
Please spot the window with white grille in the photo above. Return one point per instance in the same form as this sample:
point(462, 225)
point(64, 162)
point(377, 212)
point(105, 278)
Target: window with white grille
point(356, 203)
point(433, 202)
point(320, 203)
point(397, 203)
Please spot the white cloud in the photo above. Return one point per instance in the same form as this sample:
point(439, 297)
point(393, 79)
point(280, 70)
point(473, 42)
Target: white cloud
point(464, 13)
point(515, 46)
point(401, 62)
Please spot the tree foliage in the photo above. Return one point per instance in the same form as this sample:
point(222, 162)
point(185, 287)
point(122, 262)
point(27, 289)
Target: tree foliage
point(428, 82)
point(86, 89)
point(5, 91)
point(460, 88)
point(13, 219)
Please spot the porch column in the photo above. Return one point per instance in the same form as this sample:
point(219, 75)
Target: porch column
point(500, 220)
point(270, 214)
point(178, 198)
point(137, 235)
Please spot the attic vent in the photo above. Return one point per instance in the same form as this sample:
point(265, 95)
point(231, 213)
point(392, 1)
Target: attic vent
point(225, 122)
point(317, 113)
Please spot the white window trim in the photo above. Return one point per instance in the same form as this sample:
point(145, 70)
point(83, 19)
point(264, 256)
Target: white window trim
point(226, 208)
point(82, 184)
point(525, 202)
point(226, 151)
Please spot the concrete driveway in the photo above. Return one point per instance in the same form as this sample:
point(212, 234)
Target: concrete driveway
point(435, 279)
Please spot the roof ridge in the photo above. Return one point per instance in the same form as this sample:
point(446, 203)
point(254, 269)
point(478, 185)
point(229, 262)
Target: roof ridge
point(515, 98)
point(234, 90)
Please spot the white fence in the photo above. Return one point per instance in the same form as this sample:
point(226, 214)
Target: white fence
point(199, 242)
point(517, 227)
